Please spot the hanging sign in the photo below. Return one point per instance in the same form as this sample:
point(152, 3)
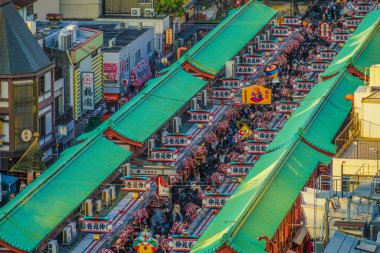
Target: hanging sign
point(135, 184)
point(265, 134)
point(291, 21)
point(153, 170)
point(214, 200)
point(96, 225)
point(352, 22)
point(110, 71)
point(254, 59)
point(340, 37)
point(169, 36)
point(221, 94)
point(267, 45)
point(325, 29)
point(257, 94)
point(163, 188)
point(303, 85)
point(318, 66)
point(163, 155)
point(327, 55)
point(200, 116)
point(364, 8)
point(230, 83)
point(176, 140)
point(88, 94)
point(181, 243)
point(281, 31)
point(141, 73)
point(254, 147)
point(245, 69)
point(235, 169)
point(286, 106)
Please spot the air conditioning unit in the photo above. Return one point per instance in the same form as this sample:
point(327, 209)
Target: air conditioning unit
point(176, 124)
point(106, 197)
point(237, 59)
point(204, 98)
point(135, 12)
point(267, 34)
point(112, 42)
point(149, 12)
point(230, 69)
point(251, 50)
point(73, 226)
point(64, 40)
point(112, 191)
point(73, 29)
point(124, 25)
point(66, 235)
point(98, 206)
point(53, 246)
point(88, 207)
point(194, 104)
point(151, 144)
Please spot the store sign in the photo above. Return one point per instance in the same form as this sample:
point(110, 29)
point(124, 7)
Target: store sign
point(96, 225)
point(200, 116)
point(135, 184)
point(173, 140)
point(327, 55)
point(111, 97)
point(266, 135)
point(303, 86)
point(364, 8)
point(317, 66)
point(169, 36)
point(181, 243)
point(110, 71)
point(62, 130)
point(339, 37)
point(88, 95)
point(257, 60)
point(256, 94)
point(281, 31)
point(267, 46)
point(286, 107)
point(159, 42)
point(163, 155)
point(232, 83)
point(256, 148)
point(163, 187)
point(222, 94)
point(215, 201)
point(243, 69)
point(351, 22)
point(239, 169)
point(292, 21)
point(141, 73)
point(325, 29)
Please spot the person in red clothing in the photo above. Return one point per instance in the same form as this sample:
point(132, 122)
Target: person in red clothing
point(309, 246)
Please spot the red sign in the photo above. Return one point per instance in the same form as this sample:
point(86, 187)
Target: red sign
point(325, 29)
point(110, 71)
point(141, 73)
point(111, 97)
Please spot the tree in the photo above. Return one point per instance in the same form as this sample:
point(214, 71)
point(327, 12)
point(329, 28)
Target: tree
point(170, 7)
point(223, 7)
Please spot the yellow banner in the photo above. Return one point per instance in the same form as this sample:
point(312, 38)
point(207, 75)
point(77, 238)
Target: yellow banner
point(256, 94)
point(169, 36)
point(245, 131)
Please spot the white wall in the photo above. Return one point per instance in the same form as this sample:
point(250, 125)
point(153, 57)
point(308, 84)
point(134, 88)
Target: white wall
point(43, 7)
point(83, 9)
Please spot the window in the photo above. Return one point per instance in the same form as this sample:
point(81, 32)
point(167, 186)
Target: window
point(58, 106)
point(145, 1)
point(42, 126)
point(4, 90)
point(137, 56)
point(41, 83)
point(149, 47)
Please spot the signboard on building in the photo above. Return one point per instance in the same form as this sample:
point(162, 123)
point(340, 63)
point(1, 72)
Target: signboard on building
point(181, 243)
point(163, 155)
point(176, 140)
point(152, 170)
point(96, 225)
point(245, 69)
point(257, 94)
point(204, 116)
point(254, 59)
point(340, 37)
point(327, 55)
point(318, 66)
point(169, 36)
point(292, 21)
point(159, 43)
point(221, 94)
point(325, 29)
point(352, 22)
point(364, 8)
point(265, 134)
point(88, 96)
point(141, 73)
point(214, 200)
point(239, 169)
point(255, 148)
point(303, 85)
point(267, 46)
point(231, 83)
point(135, 184)
point(281, 31)
point(286, 106)
point(110, 71)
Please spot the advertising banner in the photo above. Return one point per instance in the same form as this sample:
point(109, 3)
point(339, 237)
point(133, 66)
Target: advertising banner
point(110, 71)
point(88, 96)
point(141, 73)
point(257, 94)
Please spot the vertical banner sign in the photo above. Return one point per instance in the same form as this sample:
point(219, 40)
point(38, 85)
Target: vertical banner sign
point(159, 42)
point(286, 106)
point(182, 243)
point(110, 71)
point(239, 169)
point(135, 184)
point(214, 200)
point(255, 147)
point(257, 94)
point(169, 36)
point(95, 225)
point(325, 29)
point(88, 96)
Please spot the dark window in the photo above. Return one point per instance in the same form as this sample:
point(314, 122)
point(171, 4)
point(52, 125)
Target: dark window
point(41, 83)
point(42, 125)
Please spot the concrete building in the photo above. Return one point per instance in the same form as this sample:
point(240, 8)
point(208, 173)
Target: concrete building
point(27, 89)
point(43, 7)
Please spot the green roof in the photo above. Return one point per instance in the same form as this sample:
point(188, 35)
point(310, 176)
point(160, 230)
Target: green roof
point(229, 37)
point(35, 212)
point(355, 44)
point(262, 200)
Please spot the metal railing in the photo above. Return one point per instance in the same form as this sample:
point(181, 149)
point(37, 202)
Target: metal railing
point(348, 134)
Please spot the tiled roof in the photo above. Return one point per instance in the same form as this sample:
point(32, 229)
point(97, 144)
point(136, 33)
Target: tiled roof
point(20, 52)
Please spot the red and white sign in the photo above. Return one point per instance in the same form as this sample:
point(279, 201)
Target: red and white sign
point(173, 140)
point(135, 184)
point(182, 244)
point(239, 169)
point(340, 37)
point(286, 106)
point(215, 201)
point(281, 31)
point(88, 94)
point(251, 59)
point(221, 94)
point(111, 97)
point(327, 55)
point(318, 66)
point(352, 22)
point(243, 69)
point(163, 155)
point(163, 188)
point(302, 85)
point(292, 21)
point(200, 116)
point(141, 73)
point(256, 148)
point(267, 46)
point(232, 83)
point(110, 71)
point(266, 134)
point(95, 225)
point(325, 29)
